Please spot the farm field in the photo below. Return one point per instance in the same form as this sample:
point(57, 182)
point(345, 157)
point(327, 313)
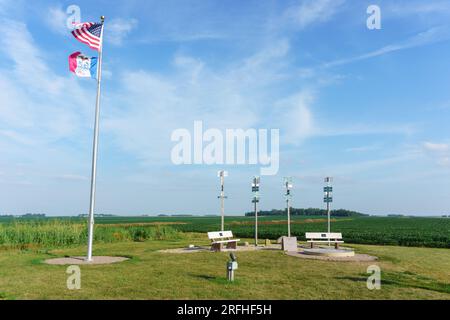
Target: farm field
point(407, 273)
point(403, 231)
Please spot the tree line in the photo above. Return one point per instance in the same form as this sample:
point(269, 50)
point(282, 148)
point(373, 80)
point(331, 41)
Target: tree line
point(308, 212)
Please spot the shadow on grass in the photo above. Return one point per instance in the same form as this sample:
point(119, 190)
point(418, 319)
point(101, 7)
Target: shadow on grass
point(217, 280)
point(405, 279)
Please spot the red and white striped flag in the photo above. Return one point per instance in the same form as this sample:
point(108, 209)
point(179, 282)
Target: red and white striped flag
point(89, 33)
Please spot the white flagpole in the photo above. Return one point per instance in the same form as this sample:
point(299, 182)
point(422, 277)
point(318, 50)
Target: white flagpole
point(95, 148)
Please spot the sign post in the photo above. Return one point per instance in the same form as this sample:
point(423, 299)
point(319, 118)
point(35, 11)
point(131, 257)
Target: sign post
point(328, 198)
point(288, 197)
point(222, 174)
point(255, 200)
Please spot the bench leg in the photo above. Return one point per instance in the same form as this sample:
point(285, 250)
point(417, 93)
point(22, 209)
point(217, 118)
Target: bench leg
point(312, 245)
point(336, 245)
point(232, 245)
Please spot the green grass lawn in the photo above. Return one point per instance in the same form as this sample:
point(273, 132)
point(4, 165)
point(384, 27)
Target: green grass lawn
point(407, 273)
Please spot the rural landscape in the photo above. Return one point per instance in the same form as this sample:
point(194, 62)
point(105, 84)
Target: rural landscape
point(412, 252)
point(201, 154)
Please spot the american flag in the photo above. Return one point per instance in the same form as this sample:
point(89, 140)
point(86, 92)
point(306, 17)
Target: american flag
point(89, 33)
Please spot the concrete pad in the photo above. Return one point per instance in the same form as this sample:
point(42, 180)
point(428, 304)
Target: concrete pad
point(355, 258)
point(208, 249)
point(82, 260)
point(329, 252)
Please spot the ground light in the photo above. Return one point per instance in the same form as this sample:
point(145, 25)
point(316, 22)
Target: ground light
point(231, 267)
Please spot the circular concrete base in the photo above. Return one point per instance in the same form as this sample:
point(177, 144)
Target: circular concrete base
point(329, 252)
point(83, 261)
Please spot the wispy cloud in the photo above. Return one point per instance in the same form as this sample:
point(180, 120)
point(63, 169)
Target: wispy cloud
point(365, 129)
point(365, 148)
point(435, 7)
point(440, 152)
point(428, 37)
point(310, 12)
point(73, 177)
point(56, 19)
point(118, 29)
point(35, 114)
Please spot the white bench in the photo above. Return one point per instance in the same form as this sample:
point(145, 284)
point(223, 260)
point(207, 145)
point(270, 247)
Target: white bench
point(219, 238)
point(318, 237)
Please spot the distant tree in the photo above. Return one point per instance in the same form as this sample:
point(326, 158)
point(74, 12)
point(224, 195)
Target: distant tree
point(309, 212)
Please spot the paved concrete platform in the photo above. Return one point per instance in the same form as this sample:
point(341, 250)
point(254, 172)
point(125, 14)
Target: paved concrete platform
point(355, 258)
point(329, 252)
point(208, 249)
point(82, 261)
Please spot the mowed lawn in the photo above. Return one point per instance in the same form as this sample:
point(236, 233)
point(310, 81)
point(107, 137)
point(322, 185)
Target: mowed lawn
point(407, 273)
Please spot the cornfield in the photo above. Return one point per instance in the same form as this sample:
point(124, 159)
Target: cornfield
point(57, 233)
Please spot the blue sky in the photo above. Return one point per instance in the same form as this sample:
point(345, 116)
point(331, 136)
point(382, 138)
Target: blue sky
point(368, 107)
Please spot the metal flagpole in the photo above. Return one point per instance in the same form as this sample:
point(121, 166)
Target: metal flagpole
point(95, 149)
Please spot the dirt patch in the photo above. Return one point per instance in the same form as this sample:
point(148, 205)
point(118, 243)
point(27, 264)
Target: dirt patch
point(82, 260)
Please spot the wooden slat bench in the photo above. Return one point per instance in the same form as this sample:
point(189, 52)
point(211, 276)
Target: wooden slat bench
point(219, 238)
point(319, 237)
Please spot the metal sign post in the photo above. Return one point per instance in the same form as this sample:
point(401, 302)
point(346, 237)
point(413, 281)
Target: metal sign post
point(328, 198)
point(222, 174)
point(288, 186)
point(255, 200)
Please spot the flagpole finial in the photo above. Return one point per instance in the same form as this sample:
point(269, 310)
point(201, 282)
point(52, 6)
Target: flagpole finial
point(102, 18)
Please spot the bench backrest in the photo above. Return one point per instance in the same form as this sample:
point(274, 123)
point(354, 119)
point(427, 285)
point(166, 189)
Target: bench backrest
point(323, 235)
point(220, 234)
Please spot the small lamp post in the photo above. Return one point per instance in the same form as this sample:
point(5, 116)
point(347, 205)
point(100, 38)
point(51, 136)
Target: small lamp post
point(231, 267)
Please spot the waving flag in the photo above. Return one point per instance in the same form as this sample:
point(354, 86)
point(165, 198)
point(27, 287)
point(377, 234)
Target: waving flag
point(89, 33)
point(82, 65)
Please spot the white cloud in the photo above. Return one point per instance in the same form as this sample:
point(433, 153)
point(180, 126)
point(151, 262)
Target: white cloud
point(310, 12)
point(430, 36)
point(73, 177)
point(118, 29)
point(39, 108)
point(294, 116)
point(419, 8)
point(440, 152)
point(363, 148)
point(232, 96)
point(56, 19)
point(436, 147)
